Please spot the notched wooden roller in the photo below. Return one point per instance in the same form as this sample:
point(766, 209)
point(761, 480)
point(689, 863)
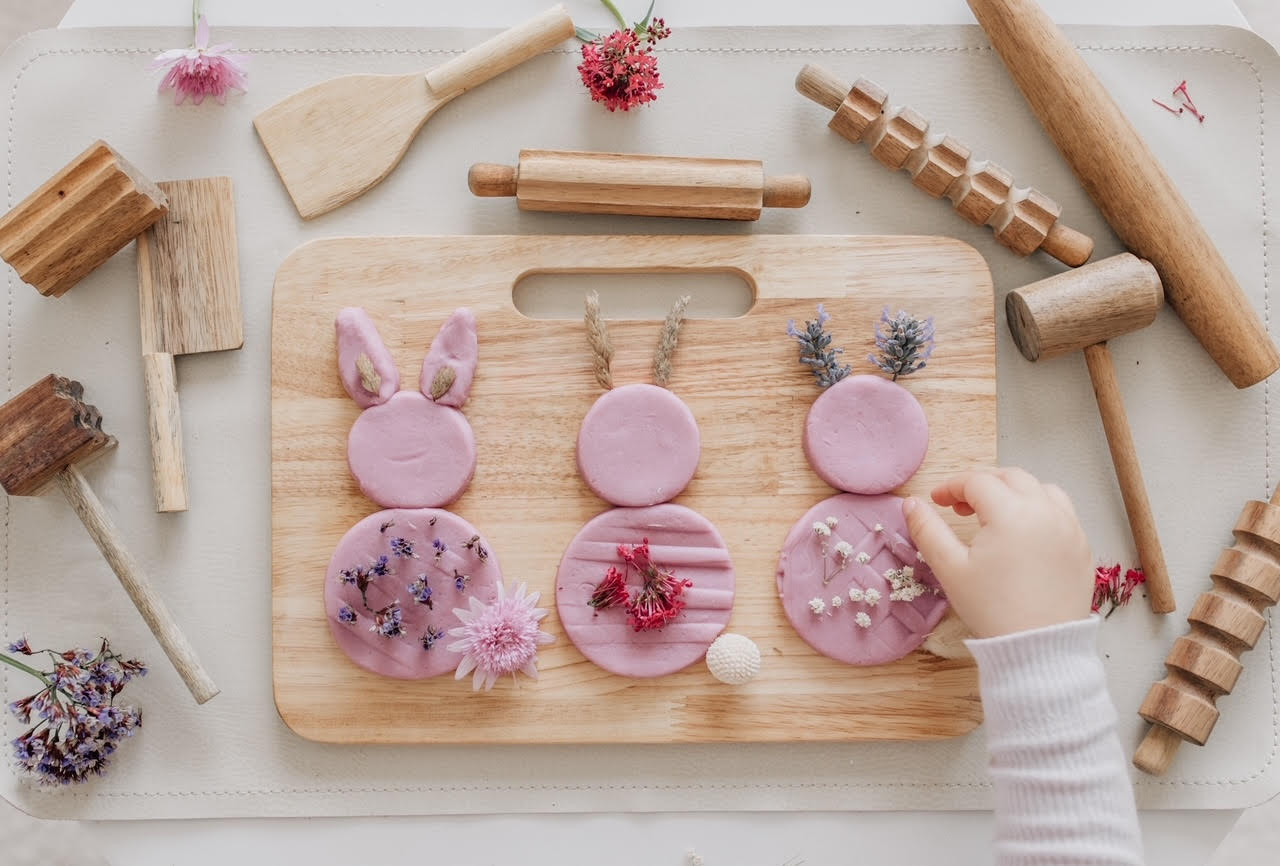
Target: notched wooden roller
point(1225, 621)
point(1024, 220)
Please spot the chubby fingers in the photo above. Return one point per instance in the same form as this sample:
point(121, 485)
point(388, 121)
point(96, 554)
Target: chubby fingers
point(989, 493)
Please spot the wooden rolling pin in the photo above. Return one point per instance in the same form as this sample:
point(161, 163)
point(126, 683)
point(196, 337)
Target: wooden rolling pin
point(568, 181)
point(1225, 621)
point(1023, 219)
point(1133, 192)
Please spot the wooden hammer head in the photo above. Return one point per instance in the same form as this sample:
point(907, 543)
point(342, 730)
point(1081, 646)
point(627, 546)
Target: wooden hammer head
point(1084, 307)
point(45, 429)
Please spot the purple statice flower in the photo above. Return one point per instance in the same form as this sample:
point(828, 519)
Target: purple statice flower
point(815, 349)
point(361, 577)
point(347, 614)
point(386, 525)
point(78, 725)
point(430, 636)
point(439, 547)
point(389, 621)
point(20, 646)
point(402, 548)
point(904, 345)
point(460, 580)
point(421, 592)
point(473, 544)
point(380, 567)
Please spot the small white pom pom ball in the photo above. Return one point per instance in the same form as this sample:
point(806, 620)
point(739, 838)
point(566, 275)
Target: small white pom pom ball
point(733, 659)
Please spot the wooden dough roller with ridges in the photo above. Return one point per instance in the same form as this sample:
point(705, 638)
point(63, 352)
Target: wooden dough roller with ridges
point(1226, 621)
point(1023, 219)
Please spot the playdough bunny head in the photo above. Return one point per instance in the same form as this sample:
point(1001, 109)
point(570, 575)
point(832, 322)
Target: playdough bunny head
point(409, 449)
point(639, 444)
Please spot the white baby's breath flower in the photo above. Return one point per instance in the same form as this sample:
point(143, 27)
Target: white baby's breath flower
point(919, 556)
point(908, 572)
point(821, 529)
point(855, 593)
point(879, 527)
point(845, 549)
point(818, 606)
point(872, 597)
point(831, 521)
point(863, 557)
point(837, 600)
point(862, 619)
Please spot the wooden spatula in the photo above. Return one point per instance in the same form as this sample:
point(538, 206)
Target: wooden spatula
point(189, 301)
point(335, 140)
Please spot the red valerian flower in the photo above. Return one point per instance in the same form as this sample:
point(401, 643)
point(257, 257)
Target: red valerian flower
point(620, 69)
point(657, 602)
point(610, 591)
point(1112, 591)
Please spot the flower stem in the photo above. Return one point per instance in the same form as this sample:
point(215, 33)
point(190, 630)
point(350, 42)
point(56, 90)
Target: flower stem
point(195, 14)
point(608, 4)
point(12, 662)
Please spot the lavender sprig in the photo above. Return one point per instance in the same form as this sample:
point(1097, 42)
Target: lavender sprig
point(905, 344)
point(816, 351)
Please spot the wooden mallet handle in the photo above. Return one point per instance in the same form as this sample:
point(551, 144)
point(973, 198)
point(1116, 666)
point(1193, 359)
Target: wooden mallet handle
point(1128, 185)
point(104, 533)
point(1124, 457)
point(164, 421)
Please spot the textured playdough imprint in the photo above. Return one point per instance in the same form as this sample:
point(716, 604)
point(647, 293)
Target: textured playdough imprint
point(866, 434)
point(896, 627)
point(411, 453)
point(680, 540)
point(404, 656)
point(638, 445)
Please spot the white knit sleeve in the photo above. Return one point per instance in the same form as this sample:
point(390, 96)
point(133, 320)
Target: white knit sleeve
point(1062, 790)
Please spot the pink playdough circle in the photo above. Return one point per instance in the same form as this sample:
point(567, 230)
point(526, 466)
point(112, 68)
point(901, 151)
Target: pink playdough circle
point(897, 627)
point(866, 434)
point(639, 445)
point(679, 539)
point(405, 657)
point(411, 453)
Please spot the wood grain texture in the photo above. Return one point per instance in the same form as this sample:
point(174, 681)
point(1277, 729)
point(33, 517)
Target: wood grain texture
point(103, 531)
point(164, 428)
point(533, 386)
point(1125, 180)
point(1225, 621)
point(333, 141)
point(43, 430)
point(1023, 219)
point(78, 219)
point(570, 181)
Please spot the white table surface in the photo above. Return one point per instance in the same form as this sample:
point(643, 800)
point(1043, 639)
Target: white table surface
point(770, 839)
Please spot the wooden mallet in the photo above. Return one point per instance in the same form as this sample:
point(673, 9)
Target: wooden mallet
point(44, 432)
point(1081, 310)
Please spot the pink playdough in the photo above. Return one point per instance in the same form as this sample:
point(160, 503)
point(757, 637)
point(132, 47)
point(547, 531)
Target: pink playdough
point(405, 656)
point(457, 347)
point(897, 627)
point(680, 540)
point(866, 434)
point(639, 445)
point(357, 336)
point(411, 453)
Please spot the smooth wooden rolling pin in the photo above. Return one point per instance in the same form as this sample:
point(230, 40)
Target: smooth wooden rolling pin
point(568, 181)
point(1024, 220)
point(1225, 621)
point(1128, 185)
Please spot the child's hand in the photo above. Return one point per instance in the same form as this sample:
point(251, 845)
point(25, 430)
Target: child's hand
point(1029, 564)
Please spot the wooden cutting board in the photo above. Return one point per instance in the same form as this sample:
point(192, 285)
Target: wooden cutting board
point(533, 386)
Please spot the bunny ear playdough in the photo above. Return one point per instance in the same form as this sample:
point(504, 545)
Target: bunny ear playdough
point(450, 364)
point(367, 370)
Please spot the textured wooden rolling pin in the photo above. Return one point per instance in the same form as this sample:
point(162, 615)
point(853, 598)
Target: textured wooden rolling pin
point(569, 181)
point(1225, 621)
point(44, 432)
point(335, 140)
point(1124, 179)
point(1079, 311)
point(1024, 220)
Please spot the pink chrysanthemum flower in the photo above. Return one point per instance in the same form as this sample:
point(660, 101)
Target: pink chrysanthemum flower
point(500, 638)
point(202, 69)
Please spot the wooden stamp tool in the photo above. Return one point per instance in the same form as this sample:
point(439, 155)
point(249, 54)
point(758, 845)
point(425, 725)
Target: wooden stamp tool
point(335, 140)
point(189, 301)
point(1024, 220)
point(1128, 185)
point(78, 219)
point(1081, 310)
point(569, 181)
point(1225, 621)
point(44, 432)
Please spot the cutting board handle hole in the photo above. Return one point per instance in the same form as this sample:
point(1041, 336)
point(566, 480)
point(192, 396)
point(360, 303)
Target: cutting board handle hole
point(716, 294)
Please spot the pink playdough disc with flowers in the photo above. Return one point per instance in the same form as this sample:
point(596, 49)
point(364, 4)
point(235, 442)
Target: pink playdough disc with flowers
point(859, 544)
point(411, 453)
point(866, 434)
point(414, 567)
point(639, 445)
point(684, 546)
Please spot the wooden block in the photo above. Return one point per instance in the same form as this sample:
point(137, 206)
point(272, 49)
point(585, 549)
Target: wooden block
point(78, 219)
point(1029, 223)
point(903, 134)
point(45, 429)
point(986, 191)
point(944, 164)
point(860, 110)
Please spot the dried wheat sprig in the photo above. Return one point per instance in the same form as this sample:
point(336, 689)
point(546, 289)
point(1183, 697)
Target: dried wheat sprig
point(601, 345)
point(667, 342)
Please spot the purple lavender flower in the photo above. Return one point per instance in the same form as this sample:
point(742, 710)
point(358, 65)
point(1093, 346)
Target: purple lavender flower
point(347, 614)
point(430, 636)
point(402, 548)
point(389, 621)
point(815, 349)
point(905, 344)
point(21, 646)
point(421, 592)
